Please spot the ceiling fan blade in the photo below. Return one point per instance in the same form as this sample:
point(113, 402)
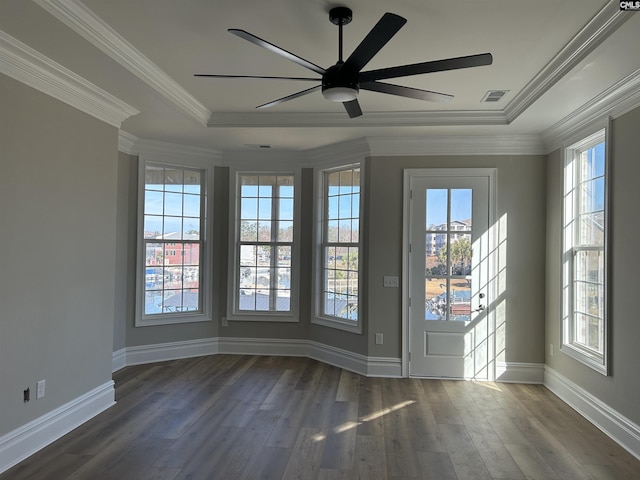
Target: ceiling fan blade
point(377, 38)
point(408, 92)
point(427, 67)
point(275, 49)
point(353, 108)
point(209, 75)
point(290, 97)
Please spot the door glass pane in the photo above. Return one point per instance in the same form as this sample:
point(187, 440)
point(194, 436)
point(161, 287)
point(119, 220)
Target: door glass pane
point(435, 289)
point(448, 254)
point(436, 209)
point(460, 299)
point(460, 256)
point(461, 209)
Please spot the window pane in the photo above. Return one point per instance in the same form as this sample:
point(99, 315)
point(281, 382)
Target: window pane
point(172, 228)
point(584, 238)
point(341, 228)
point(264, 208)
point(152, 226)
point(285, 210)
point(172, 265)
point(249, 208)
point(285, 231)
point(192, 206)
point(192, 182)
point(248, 231)
point(173, 180)
point(264, 280)
point(153, 203)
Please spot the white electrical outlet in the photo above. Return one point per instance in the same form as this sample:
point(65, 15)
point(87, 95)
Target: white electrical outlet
point(379, 339)
point(390, 281)
point(225, 322)
point(551, 349)
point(41, 389)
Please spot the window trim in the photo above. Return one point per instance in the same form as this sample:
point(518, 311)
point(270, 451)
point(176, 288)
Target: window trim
point(233, 314)
point(207, 168)
point(598, 362)
point(320, 206)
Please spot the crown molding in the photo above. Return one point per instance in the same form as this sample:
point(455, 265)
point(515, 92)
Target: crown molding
point(457, 145)
point(603, 24)
point(26, 65)
point(127, 143)
point(615, 101)
point(380, 119)
point(171, 152)
point(91, 27)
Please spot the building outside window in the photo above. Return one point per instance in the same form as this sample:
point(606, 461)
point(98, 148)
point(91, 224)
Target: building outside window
point(585, 328)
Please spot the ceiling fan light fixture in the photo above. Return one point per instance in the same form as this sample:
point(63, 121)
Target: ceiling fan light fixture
point(340, 94)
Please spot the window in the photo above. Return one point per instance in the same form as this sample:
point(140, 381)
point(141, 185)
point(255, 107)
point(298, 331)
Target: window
point(339, 283)
point(172, 249)
point(265, 236)
point(584, 334)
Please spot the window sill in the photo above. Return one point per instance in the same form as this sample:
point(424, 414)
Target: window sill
point(592, 361)
point(348, 326)
point(152, 321)
point(274, 317)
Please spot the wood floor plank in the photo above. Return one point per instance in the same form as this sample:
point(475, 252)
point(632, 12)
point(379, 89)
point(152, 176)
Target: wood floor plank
point(436, 466)
point(465, 458)
point(492, 450)
point(532, 463)
point(247, 417)
point(369, 460)
point(370, 421)
point(304, 462)
point(341, 437)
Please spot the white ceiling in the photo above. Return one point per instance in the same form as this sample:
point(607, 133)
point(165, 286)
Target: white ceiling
point(553, 56)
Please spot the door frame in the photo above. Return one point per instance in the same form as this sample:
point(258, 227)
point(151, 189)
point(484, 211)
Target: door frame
point(409, 173)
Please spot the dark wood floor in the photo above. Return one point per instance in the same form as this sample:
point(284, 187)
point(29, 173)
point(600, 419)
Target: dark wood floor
point(245, 417)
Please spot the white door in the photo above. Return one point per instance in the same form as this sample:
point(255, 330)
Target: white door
point(448, 274)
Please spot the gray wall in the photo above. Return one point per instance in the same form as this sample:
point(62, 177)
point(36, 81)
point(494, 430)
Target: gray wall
point(520, 200)
point(621, 390)
point(521, 197)
point(125, 332)
point(58, 221)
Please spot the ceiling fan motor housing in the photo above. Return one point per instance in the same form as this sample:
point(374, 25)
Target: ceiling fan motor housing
point(340, 76)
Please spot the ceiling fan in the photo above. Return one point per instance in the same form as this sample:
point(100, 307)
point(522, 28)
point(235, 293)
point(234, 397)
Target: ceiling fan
point(342, 81)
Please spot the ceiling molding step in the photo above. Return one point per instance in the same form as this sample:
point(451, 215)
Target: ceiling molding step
point(26, 65)
point(603, 24)
point(176, 152)
point(369, 119)
point(246, 159)
point(351, 151)
point(91, 27)
point(457, 145)
point(615, 101)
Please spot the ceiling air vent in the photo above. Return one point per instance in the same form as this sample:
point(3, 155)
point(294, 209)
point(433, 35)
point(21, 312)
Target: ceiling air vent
point(493, 96)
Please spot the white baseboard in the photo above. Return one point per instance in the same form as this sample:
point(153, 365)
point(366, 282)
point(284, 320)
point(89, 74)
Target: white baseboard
point(161, 352)
point(515, 372)
point(24, 441)
point(262, 346)
point(118, 360)
point(368, 366)
point(618, 427)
